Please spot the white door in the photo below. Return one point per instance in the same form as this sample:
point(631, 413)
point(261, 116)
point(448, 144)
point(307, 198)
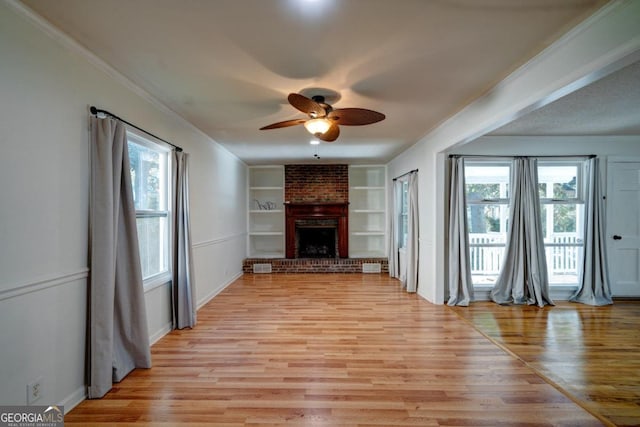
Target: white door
point(623, 227)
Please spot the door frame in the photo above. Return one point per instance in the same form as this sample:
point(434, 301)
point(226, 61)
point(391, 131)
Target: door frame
point(609, 190)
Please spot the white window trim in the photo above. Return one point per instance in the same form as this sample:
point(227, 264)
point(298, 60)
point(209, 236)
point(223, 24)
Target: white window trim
point(137, 137)
point(559, 290)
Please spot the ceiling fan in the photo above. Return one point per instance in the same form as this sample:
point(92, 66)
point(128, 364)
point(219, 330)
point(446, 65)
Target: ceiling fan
point(323, 120)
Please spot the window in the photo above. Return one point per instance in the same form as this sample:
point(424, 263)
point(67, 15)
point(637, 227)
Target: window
point(561, 190)
point(149, 179)
point(560, 187)
point(487, 194)
point(404, 214)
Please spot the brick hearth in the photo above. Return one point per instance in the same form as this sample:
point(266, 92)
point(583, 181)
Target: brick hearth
point(315, 265)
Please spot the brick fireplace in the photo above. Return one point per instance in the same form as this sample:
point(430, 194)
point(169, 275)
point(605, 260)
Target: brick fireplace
point(316, 198)
point(316, 211)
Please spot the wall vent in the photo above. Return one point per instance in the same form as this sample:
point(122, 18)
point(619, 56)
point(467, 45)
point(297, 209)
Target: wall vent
point(262, 268)
point(370, 267)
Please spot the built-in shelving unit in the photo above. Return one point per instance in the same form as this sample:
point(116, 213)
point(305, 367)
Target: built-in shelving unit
point(266, 212)
point(367, 211)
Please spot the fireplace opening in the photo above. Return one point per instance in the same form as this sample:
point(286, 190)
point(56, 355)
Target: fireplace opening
point(316, 238)
point(316, 242)
point(317, 230)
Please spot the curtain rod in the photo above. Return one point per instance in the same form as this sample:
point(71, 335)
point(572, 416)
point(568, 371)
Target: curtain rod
point(471, 156)
point(404, 174)
point(95, 111)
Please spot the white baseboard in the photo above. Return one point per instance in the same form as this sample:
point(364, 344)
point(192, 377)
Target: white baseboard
point(74, 399)
point(160, 333)
point(215, 292)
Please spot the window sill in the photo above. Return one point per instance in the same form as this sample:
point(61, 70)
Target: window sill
point(156, 281)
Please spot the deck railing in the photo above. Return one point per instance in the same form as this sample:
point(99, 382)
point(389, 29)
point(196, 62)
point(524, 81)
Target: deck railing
point(563, 252)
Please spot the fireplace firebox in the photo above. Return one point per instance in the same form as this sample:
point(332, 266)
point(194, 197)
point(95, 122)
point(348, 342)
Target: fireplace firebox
point(316, 241)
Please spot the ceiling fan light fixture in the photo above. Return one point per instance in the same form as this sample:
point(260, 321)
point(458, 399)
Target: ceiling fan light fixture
point(314, 142)
point(317, 126)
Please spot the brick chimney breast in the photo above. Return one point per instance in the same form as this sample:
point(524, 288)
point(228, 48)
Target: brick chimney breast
point(316, 183)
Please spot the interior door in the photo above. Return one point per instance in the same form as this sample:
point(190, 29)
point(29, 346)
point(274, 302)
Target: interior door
point(623, 227)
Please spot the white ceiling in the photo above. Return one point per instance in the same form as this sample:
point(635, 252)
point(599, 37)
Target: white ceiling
point(610, 106)
point(227, 66)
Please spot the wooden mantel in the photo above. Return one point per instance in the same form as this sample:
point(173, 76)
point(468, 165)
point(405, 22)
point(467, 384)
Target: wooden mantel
point(297, 211)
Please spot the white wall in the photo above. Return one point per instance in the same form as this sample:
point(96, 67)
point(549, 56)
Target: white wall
point(602, 44)
point(418, 157)
point(46, 85)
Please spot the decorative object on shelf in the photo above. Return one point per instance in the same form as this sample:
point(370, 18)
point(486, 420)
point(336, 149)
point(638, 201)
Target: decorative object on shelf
point(265, 206)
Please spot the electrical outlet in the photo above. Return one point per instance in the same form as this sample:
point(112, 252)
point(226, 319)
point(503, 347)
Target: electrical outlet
point(34, 391)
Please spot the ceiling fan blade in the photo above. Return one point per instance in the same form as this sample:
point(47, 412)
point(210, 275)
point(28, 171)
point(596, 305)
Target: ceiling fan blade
point(306, 105)
point(355, 116)
point(284, 124)
point(330, 135)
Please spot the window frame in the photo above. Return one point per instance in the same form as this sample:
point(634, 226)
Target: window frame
point(578, 199)
point(164, 276)
point(403, 213)
point(503, 202)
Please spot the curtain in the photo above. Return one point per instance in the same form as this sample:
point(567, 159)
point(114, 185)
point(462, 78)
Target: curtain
point(412, 234)
point(118, 336)
point(394, 268)
point(183, 301)
point(523, 278)
point(594, 282)
point(460, 283)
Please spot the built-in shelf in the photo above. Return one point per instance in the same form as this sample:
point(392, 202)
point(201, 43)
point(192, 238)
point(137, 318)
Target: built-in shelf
point(265, 214)
point(367, 211)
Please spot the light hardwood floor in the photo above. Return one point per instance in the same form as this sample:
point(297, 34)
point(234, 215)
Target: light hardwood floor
point(592, 353)
point(340, 350)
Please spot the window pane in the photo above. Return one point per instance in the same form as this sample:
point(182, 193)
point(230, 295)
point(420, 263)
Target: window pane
point(564, 218)
point(148, 171)
point(487, 218)
point(487, 239)
point(542, 190)
point(558, 182)
point(149, 181)
point(483, 191)
point(404, 209)
point(563, 238)
point(153, 239)
point(487, 182)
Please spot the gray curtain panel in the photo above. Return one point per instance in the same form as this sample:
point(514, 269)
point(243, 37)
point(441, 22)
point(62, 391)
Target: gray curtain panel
point(118, 335)
point(394, 270)
point(595, 288)
point(460, 283)
point(523, 278)
point(412, 234)
point(183, 301)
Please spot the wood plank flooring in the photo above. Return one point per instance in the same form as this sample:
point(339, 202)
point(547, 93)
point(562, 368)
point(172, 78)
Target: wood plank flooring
point(593, 353)
point(331, 350)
